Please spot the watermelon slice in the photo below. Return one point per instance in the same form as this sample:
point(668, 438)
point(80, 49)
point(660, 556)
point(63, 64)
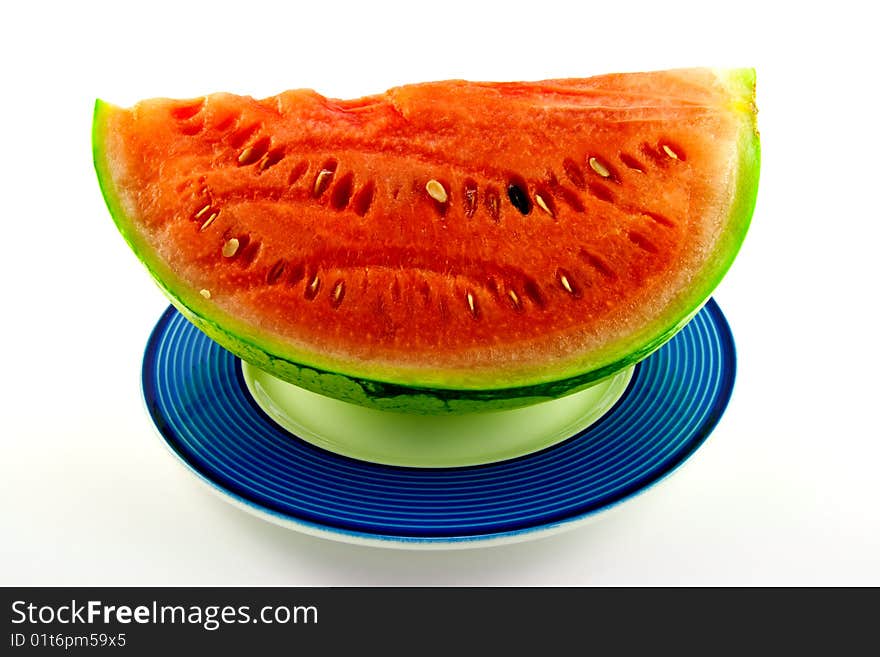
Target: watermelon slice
point(445, 246)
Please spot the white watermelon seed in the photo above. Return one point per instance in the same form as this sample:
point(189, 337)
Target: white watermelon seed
point(436, 191)
point(245, 155)
point(671, 153)
point(199, 214)
point(321, 181)
point(209, 221)
point(338, 291)
point(565, 283)
point(542, 204)
point(471, 303)
point(599, 168)
point(230, 248)
point(205, 293)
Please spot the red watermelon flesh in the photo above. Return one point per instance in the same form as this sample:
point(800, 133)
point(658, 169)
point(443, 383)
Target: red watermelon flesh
point(497, 242)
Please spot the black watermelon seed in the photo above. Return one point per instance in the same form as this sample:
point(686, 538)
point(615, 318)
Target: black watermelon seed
point(519, 199)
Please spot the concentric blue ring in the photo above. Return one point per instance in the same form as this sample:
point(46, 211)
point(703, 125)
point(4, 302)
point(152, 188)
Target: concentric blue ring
point(196, 394)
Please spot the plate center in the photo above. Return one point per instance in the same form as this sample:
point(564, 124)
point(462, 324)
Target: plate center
point(435, 441)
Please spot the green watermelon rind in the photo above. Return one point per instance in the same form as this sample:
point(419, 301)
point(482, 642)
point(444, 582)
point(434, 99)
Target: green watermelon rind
point(437, 391)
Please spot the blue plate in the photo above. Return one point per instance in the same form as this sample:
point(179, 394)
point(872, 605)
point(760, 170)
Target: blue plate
point(196, 395)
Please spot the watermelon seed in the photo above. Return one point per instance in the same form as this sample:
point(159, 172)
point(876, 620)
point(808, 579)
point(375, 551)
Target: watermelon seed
point(567, 283)
point(671, 153)
point(313, 287)
point(322, 181)
point(543, 204)
point(436, 191)
point(470, 198)
point(205, 293)
point(324, 177)
point(198, 215)
point(472, 304)
point(563, 279)
point(230, 248)
point(275, 272)
point(337, 294)
point(271, 158)
point(254, 152)
point(599, 167)
point(518, 198)
point(209, 221)
point(245, 154)
point(514, 299)
point(493, 203)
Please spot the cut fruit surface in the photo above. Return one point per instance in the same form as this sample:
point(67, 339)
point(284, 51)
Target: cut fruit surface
point(441, 246)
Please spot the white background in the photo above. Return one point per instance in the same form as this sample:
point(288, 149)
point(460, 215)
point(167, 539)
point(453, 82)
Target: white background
point(784, 492)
